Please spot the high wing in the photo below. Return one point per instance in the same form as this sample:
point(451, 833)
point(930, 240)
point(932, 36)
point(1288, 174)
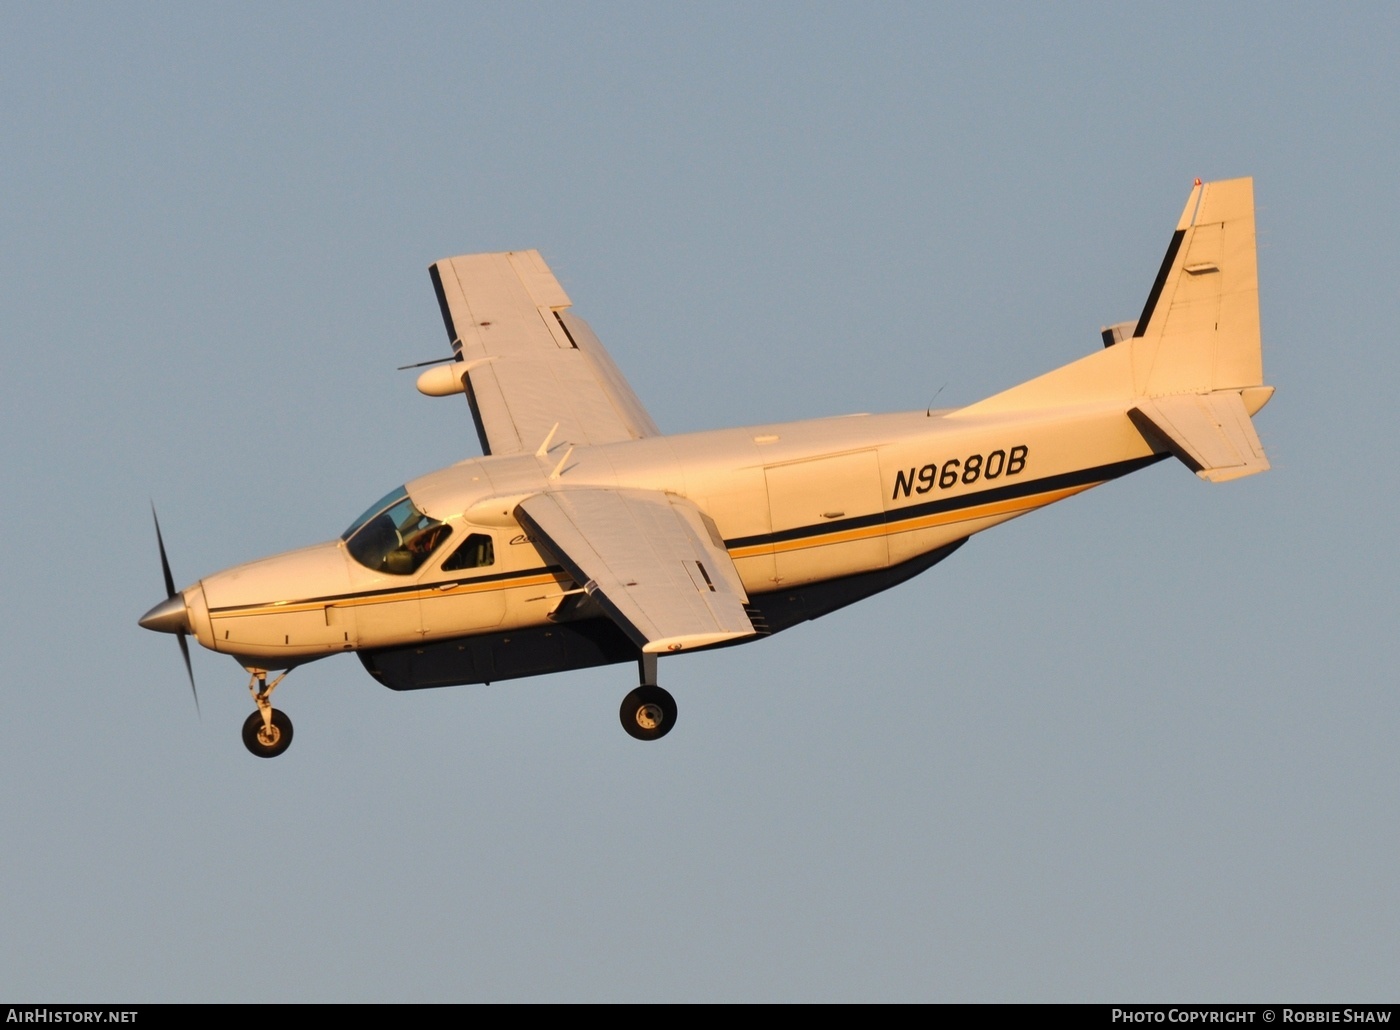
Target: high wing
point(524, 362)
point(653, 561)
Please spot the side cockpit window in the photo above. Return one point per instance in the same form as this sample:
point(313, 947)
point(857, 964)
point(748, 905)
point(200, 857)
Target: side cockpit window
point(476, 552)
point(394, 536)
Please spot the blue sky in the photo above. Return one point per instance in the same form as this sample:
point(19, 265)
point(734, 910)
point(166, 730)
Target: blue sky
point(1140, 745)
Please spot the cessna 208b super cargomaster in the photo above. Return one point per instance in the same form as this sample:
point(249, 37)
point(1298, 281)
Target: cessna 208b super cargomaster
point(585, 537)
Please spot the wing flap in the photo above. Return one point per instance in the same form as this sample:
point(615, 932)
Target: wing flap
point(529, 365)
point(654, 562)
point(1211, 433)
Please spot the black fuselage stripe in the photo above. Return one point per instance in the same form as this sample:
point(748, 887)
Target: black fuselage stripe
point(1080, 477)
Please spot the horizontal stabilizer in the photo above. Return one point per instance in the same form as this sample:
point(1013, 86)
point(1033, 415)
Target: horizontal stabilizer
point(1211, 433)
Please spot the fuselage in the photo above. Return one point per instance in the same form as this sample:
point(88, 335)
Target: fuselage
point(796, 504)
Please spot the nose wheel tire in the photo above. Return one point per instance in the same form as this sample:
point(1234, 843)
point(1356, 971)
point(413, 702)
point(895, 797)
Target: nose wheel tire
point(648, 713)
point(267, 742)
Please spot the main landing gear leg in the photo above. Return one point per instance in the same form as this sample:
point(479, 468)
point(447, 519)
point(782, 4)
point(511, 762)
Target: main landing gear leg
point(268, 732)
point(649, 712)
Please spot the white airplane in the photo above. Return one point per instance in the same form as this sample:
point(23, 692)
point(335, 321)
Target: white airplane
point(585, 536)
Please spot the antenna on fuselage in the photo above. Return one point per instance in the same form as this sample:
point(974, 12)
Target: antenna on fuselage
point(929, 412)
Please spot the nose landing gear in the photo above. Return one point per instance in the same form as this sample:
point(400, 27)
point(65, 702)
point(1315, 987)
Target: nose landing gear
point(267, 732)
point(649, 712)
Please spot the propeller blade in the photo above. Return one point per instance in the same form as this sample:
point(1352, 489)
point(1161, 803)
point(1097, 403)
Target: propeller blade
point(170, 592)
point(185, 650)
point(164, 562)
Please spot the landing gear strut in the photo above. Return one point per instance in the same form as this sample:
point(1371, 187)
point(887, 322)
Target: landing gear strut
point(267, 732)
point(649, 712)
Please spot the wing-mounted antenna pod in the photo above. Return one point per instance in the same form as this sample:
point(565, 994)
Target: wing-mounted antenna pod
point(444, 380)
point(441, 380)
point(449, 377)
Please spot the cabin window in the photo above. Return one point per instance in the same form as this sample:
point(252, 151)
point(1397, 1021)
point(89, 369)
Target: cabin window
point(393, 536)
point(476, 552)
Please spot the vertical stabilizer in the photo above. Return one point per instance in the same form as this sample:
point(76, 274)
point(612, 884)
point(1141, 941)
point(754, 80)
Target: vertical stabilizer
point(1199, 330)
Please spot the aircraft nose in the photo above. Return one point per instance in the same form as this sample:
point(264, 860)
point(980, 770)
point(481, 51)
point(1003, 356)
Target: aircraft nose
point(170, 616)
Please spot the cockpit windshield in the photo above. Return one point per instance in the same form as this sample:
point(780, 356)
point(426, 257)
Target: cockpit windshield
point(388, 500)
point(393, 536)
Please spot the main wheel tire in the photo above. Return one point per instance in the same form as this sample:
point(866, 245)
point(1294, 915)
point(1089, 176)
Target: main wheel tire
point(264, 743)
point(648, 713)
